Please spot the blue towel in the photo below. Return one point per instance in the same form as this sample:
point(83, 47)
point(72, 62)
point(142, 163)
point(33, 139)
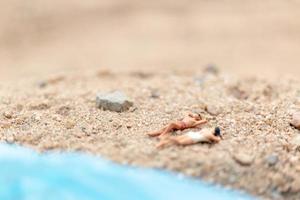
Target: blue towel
point(28, 175)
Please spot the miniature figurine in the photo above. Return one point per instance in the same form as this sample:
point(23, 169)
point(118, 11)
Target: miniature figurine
point(192, 137)
point(190, 121)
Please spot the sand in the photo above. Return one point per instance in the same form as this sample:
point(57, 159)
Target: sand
point(258, 38)
point(253, 114)
point(56, 56)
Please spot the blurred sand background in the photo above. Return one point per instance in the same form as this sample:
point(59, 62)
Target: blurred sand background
point(259, 38)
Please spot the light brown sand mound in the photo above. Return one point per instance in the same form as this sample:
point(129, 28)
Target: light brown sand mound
point(258, 153)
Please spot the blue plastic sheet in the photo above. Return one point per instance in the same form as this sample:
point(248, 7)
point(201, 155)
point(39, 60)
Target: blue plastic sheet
point(27, 175)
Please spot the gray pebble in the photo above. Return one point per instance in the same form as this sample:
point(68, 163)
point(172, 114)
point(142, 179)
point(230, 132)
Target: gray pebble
point(272, 159)
point(114, 101)
point(296, 120)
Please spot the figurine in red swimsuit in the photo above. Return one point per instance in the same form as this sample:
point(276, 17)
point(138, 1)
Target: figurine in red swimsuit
point(193, 137)
point(190, 121)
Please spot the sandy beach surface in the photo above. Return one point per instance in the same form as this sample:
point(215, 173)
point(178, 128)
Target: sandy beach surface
point(56, 56)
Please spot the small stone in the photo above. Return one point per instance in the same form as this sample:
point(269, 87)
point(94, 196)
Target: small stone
point(293, 159)
point(296, 120)
point(115, 101)
point(8, 114)
point(154, 94)
point(79, 134)
point(238, 93)
point(272, 159)
point(64, 110)
point(296, 141)
point(128, 126)
point(212, 110)
point(212, 69)
point(69, 124)
point(5, 125)
point(133, 109)
point(168, 111)
point(42, 84)
point(117, 125)
point(36, 117)
point(10, 139)
point(173, 155)
point(243, 159)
